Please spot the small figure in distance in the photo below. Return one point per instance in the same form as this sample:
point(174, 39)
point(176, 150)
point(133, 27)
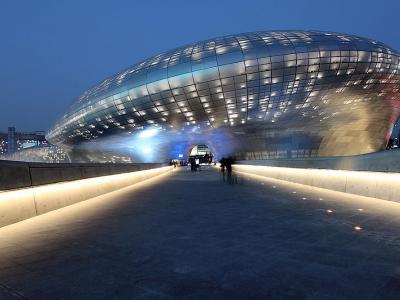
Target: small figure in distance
point(192, 164)
point(223, 166)
point(229, 169)
point(207, 158)
point(232, 179)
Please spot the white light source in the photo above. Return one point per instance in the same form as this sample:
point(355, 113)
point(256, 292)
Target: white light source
point(148, 133)
point(146, 149)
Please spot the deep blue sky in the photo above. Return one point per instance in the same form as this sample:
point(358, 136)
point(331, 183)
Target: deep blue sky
point(51, 51)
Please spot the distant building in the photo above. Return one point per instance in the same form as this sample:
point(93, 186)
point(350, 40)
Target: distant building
point(29, 146)
point(13, 141)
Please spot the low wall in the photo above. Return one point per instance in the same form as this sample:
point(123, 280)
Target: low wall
point(370, 184)
point(14, 175)
point(385, 161)
point(20, 204)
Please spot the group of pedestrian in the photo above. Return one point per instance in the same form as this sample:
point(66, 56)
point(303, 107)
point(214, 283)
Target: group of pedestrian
point(173, 163)
point(226, 169)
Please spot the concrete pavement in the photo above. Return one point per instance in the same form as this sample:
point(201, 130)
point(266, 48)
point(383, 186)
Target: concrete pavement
point(192, 236)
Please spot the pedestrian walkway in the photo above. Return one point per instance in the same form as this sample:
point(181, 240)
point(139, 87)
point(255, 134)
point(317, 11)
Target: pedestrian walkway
point(190, 235)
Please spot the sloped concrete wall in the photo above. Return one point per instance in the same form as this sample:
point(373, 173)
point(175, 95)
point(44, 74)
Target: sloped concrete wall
point(381, 185)
point(14, 175)
point(385, 161)
point(20, 204)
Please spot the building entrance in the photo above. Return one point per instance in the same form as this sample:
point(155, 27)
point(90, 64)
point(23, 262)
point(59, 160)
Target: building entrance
point(200, 154)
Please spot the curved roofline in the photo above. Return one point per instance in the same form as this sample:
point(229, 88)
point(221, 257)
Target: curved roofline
point(223, 56)
point(222, 37)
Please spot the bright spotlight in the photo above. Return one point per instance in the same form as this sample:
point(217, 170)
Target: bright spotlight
point(148, 133)
point(146, 149)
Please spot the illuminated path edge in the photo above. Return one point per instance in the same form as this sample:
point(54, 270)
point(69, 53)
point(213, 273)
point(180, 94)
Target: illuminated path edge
point(363, 183)
point(21, 204)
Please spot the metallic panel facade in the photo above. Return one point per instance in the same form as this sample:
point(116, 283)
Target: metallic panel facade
point(257, 95)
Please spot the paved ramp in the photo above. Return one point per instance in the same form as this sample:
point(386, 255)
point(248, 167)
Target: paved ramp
point(193, 236)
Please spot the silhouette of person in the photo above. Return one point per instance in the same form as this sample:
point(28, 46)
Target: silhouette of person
point(223, 166)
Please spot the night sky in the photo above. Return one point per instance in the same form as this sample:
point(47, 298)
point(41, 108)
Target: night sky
point(52, 51)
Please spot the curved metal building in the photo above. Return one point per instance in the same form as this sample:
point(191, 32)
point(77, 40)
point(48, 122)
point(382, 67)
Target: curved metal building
point(256, 95)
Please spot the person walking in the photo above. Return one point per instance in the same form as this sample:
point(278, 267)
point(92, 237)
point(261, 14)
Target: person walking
point(192, 164)
point(223, 166)
point(229, 169)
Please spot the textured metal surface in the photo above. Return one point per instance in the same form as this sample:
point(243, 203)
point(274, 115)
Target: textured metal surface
point(257, 95)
